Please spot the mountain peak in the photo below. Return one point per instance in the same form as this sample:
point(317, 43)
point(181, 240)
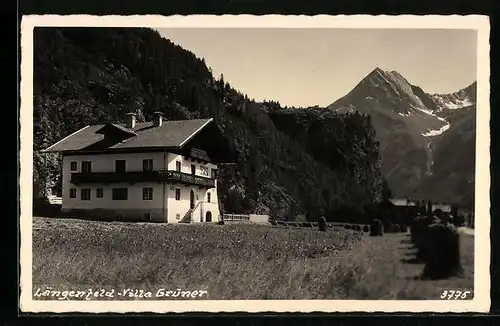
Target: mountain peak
point(376, 71)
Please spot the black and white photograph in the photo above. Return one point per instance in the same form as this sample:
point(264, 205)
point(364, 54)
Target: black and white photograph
point(255, 163)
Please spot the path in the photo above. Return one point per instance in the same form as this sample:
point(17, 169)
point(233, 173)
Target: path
point(392, 267)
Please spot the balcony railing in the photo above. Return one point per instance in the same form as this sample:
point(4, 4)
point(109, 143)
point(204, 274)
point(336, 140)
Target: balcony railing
point(142, 176)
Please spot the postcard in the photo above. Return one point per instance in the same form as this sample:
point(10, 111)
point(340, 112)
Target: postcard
point(241, 163)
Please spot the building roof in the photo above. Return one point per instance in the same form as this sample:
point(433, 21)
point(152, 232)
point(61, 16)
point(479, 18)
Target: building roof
point(116, 127)
point(401, 202)
point(443, 207)
point(171, 134)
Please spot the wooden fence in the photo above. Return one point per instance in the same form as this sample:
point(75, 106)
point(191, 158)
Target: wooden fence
point(236, 218)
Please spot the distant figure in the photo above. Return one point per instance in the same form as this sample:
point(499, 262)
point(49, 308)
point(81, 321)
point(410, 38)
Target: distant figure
point(322, 224)
point(376, 228)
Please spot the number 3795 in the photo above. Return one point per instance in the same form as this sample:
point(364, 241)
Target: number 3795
point(455, 294)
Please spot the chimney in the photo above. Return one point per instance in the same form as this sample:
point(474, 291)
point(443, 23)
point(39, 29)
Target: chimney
point(131, 120)
point(157, 118)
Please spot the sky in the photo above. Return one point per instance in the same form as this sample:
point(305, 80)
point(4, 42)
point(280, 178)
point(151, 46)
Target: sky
point(316, 66)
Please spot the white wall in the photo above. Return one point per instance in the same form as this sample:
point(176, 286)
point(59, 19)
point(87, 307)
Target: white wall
point(134, 201)
point(134, 162)
point(182, 206)
point(213, 207)
point(259, 218)
point(104, 163)
point(186, 164)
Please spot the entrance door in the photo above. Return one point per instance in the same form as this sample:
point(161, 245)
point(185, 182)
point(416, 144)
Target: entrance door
point(191, 197)
point(208, 216)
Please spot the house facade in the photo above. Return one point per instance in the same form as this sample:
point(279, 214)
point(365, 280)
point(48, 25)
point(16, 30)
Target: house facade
point(158, 171)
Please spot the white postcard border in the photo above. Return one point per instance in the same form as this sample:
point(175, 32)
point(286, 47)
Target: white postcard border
point(481, 301)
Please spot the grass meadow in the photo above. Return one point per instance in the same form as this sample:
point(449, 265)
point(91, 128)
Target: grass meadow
point(235, 261)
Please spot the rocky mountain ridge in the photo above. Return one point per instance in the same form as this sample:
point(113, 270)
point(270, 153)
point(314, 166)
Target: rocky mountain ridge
point(409, 124)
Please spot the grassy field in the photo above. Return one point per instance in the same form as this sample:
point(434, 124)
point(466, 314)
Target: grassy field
point(238, 261)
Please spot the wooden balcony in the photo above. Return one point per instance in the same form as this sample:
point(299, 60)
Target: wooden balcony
point(142, 176)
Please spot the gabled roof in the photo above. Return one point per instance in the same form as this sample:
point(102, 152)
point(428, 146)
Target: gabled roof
point(112, 127)
point(171, 134)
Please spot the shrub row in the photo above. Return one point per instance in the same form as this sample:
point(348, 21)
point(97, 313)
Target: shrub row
point(322, 225)
point(438, 246)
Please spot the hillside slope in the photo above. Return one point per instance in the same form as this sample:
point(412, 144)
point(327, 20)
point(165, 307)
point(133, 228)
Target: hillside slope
point(453, 172)
point(96, 75)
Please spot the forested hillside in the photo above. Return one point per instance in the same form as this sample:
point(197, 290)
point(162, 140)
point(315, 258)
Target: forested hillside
point(288, 162)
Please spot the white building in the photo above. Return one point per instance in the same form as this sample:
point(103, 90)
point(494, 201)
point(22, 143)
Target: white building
point(162, 171)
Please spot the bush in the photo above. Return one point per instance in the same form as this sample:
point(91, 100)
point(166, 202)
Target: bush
point(419, 234)
point(376, 228)
point(443, 261)
point(366, 228)
point(322, 225)
point(42, 207)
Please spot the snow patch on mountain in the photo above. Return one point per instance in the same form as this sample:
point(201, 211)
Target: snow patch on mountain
point(453, 104)
point(453, 101)
point(424, 110)
point(436, 132)
point(407, 114)
point(433, 132)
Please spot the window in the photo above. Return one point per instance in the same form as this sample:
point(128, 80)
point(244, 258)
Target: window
point(177, 194)
point(193, 169)
point(204, 170)
point(214, 173)
point(208, 197)
point(86, 166)
point(177, 216)
point(147, 216)
point(73, 166)
point(147, 165)
point(72, 193)
point(147, 193)
point(120, 193)
point(120, 166)
point(99, 193)
point(85, 194)
point(178, 166)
